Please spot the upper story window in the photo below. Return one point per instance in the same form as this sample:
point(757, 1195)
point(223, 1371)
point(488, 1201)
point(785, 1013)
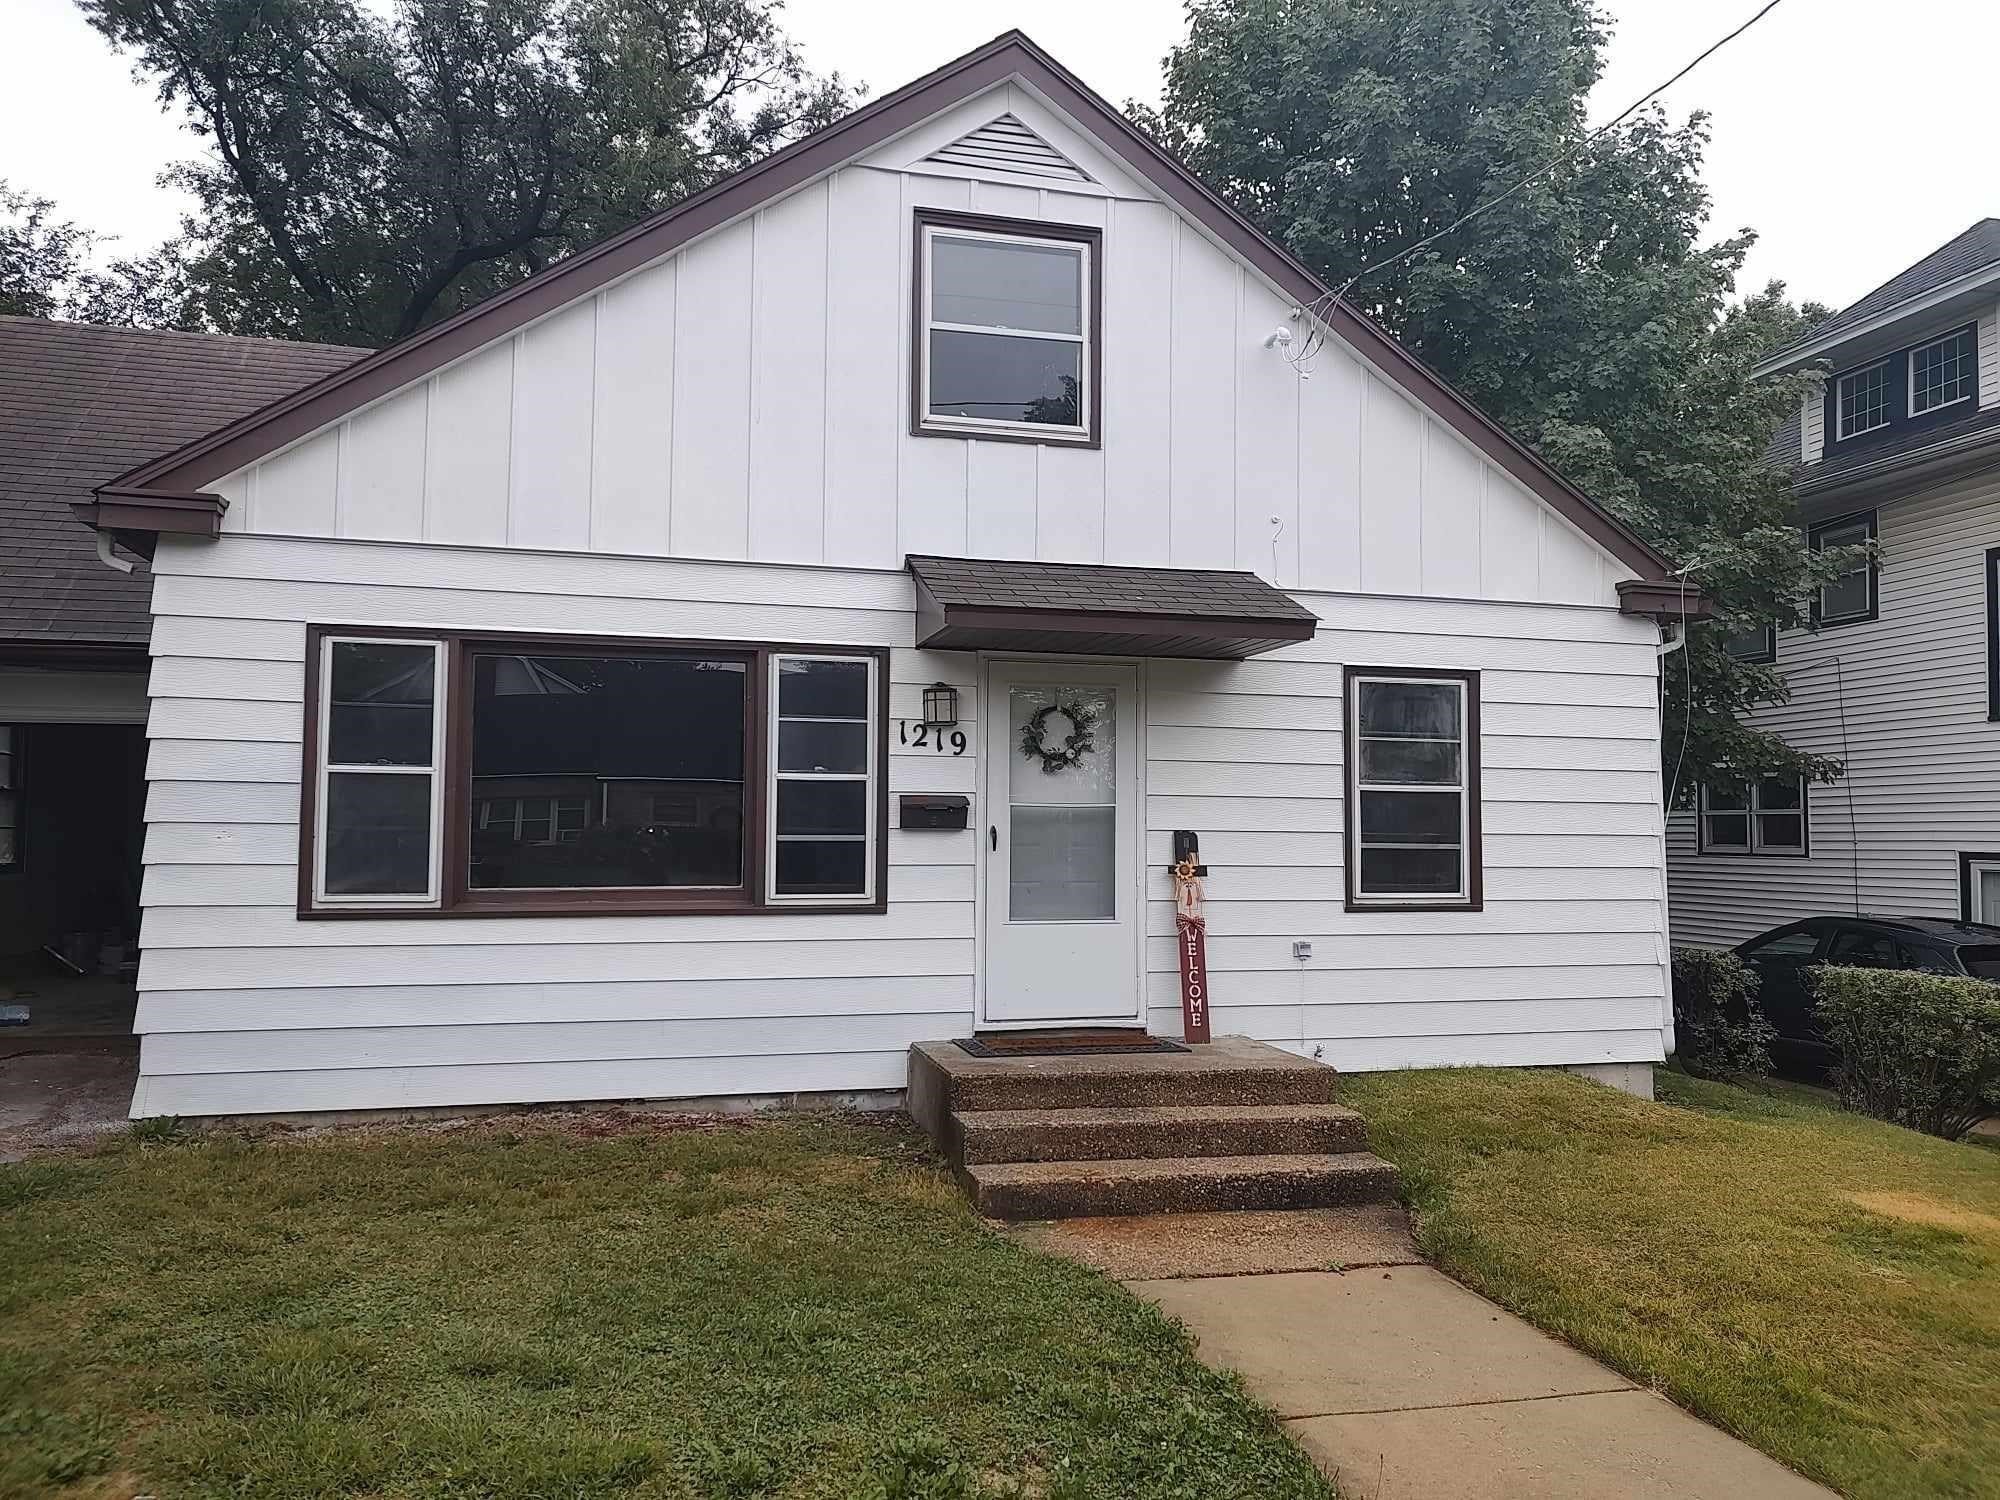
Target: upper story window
point(1944, 372)
point(1850, 598)
point(1007, 333)
point(1758, 644)
point(1864, 400)
point(1911, 388)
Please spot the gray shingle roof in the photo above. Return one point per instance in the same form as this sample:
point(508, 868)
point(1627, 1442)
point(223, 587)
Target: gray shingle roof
point(79, 405)
point(1973, 250)
point(1087, 588)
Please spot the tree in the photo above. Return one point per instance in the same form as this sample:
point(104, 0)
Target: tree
point(370, 175)
point(1581, 310)
point(41, 257)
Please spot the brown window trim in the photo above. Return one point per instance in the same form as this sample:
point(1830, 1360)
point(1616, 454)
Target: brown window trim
point(456, 899)
point(1084, 234)
point(1475, 853)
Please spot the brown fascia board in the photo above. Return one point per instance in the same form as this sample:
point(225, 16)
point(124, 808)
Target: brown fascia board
point(1007, 56)
point(123, 508)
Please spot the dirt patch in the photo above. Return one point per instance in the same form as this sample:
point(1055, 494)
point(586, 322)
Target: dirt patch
point(1916, 1209)
point(1149, 1246)
point(49, 1100)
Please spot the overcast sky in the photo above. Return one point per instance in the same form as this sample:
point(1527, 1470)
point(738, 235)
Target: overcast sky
point(1854, 138)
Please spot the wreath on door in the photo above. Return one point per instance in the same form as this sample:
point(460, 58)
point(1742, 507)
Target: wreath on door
point(1081, 741)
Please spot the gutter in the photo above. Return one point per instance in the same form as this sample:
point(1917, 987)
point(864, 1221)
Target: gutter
point(1812, 346)
point(1966, 446)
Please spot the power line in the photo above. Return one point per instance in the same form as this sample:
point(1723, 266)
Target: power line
point(1547, 167)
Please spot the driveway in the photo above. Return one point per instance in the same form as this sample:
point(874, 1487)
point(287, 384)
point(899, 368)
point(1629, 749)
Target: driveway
point(50, 1099)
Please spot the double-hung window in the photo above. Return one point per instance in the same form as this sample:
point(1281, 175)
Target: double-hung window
point(477, 775)
point(1864, 400)
point(1850, 598)
point(10, 797)
point(1413, 788)
point(1006, 329)
point(380, 741)
point(1945, 371)
point(1767, 816)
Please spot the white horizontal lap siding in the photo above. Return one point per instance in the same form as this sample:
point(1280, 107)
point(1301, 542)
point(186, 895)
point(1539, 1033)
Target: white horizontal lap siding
point(747, 397)
point(1902, 701)
point(245, 1007)
point(1565, 962)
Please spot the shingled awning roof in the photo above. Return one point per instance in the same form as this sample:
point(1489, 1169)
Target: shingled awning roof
point(78, 406)
point(969, 603)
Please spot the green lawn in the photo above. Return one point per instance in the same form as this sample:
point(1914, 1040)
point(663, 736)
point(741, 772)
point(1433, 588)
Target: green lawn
point(788, 1308)
point(1824, 1286)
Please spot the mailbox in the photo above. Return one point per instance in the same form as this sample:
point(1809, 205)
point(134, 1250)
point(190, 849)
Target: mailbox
point(935, 810)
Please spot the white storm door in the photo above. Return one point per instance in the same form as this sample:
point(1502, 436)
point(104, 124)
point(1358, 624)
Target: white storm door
point(1061, 845)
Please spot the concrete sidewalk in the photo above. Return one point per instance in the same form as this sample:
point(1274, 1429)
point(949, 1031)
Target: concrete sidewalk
point(1403, 1385)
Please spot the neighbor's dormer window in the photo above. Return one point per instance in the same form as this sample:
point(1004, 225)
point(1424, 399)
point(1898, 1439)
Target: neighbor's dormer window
point(1944, 372)
point(1864, 400)
point(1007, 333)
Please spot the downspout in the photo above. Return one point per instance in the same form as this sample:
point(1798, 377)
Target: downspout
point(109, 558)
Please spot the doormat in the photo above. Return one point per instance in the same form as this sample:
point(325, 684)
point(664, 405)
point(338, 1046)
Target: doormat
point(1065, 1044)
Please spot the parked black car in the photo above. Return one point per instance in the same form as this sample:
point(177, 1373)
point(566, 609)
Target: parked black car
point(1782, 956)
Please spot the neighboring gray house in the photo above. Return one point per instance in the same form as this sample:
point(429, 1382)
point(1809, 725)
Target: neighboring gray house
point(1901, 680)
point(78, 405)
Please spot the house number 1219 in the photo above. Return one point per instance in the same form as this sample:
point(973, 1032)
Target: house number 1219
point(920, 734)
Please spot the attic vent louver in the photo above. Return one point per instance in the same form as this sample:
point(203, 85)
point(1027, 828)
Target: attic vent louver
point(1006, 145)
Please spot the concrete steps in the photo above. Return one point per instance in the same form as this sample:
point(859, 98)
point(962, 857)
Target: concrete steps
point(1094, 1134)
point(1231, 1125)
point(1077, 1189)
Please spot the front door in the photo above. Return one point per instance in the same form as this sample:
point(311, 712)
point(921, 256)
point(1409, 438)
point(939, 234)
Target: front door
point(1062, 941)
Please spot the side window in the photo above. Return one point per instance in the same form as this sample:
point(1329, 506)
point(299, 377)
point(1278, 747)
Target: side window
point(1850, 598)
point(1799, 942)
point(1927, 959)
point(1764, 817)
point(380, 742)
point(1862, 949)
point(1413, 782)
point(823, 762)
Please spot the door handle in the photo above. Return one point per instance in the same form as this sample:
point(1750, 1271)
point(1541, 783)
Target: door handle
point(993, 836)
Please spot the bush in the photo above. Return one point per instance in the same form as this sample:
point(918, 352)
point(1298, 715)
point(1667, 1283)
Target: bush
point(1719, 1028)
point(1921, 1050)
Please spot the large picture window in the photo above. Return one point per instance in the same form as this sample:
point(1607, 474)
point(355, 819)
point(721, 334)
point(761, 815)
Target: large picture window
point(473, 775)
point(1006, 329)
point(1413, 788)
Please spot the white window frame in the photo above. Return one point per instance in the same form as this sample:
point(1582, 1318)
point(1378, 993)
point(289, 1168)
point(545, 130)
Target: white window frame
point(929, 421)
point(432, 893)
point(870, 774)
point(1750, 812)
point(1956, 335)
point(1462, 896)
point(1841, 431)
point(1974, 868)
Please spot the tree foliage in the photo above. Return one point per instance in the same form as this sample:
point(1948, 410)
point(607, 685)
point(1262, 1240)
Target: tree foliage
point(1583, 311)
point(42, 257)
point(370, 174)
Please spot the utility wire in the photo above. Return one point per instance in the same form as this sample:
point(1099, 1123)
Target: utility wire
point(1533, 177)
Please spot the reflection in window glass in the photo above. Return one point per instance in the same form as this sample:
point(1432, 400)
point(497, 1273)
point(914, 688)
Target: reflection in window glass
point(1005, 339)
point(378, 770)
point(574, 757)
point(823, 819)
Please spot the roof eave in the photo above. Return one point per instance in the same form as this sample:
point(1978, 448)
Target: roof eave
point(1673, 601)
point(136, 518)
point(1813, 347)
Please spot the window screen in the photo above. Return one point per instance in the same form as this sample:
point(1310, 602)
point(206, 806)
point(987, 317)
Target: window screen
point(1006, 338)
point(1410, 823)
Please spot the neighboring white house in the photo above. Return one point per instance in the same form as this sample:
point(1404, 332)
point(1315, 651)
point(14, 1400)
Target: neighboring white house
point(535, 703)
point(1900, 681)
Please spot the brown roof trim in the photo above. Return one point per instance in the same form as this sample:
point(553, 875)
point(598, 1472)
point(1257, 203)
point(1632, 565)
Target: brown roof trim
point(1666, 601)
point(137, 516)
point(1008, 55)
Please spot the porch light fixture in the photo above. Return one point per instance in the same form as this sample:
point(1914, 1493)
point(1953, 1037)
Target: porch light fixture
point(940, 705)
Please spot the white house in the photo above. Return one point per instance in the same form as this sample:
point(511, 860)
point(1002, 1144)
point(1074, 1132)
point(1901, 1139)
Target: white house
point(1900, 677)
point(538, 705)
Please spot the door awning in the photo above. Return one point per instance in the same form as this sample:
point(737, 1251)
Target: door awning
point(973, 604)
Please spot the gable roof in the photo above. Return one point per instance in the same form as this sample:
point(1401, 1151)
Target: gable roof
point(1966, 254)
point(79, 404)
point(1009, 56)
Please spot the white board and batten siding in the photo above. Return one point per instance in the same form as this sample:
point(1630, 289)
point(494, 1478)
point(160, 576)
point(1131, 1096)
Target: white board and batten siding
point(718, 447)
point(1902, 701)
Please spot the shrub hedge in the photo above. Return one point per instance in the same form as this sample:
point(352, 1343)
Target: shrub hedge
point(1719, 1028)
point(1917, 1049)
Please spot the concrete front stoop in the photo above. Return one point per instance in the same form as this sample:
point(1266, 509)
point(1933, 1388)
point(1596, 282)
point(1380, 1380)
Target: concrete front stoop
point(1231, 1124)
